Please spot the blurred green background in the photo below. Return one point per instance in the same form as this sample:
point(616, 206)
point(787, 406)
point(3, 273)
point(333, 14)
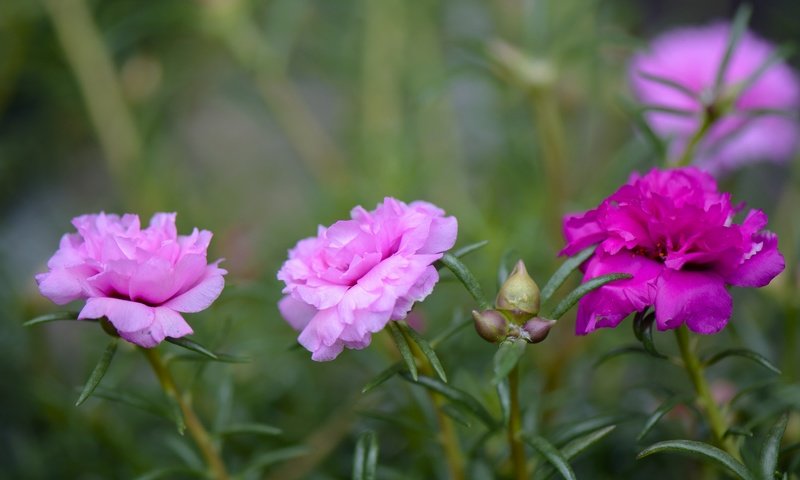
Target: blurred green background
point(260, 120)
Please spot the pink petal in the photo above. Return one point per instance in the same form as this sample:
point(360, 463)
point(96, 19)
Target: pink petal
point(698, 299)
point(581, 231)
point(60, 285)
point(202, 295)
point(126, 316)
point(172, 323)
point(442, 235)
point(147, 337)
point(296, 312)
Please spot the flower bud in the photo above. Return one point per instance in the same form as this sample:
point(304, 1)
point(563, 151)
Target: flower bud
point(491, 325)
point(519, 294)
point(537, 329)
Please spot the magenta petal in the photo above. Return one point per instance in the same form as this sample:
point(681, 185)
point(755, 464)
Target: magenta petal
point(761, 267)
point(581, 231)
point(698, 299)
point(202, 295)
point(442, 235)
point(296, 312)
point(611, 303)
point(172, 323)
point(126, 316)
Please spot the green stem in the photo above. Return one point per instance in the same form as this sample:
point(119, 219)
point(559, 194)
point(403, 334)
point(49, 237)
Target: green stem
point(193, 424)
point(706, 400)
point(688, 153)
point(448, 435)
point(515, 428)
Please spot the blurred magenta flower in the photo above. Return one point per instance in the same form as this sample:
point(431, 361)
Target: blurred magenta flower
point(674, 232)
point(141, 280)
point(355, 276)
point(739, 135)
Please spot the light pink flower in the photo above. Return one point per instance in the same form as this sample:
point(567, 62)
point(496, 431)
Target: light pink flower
point(355, 276)
point(141, 280)
point(691, 57)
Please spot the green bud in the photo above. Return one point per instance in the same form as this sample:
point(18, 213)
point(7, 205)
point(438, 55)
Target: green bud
point(491, 325)
point(537, 329)
point(519, 295)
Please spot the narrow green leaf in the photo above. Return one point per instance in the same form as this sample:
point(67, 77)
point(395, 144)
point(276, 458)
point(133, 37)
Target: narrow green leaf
point(386, 374)
point(467, 249)
point(504, 396)
point(272, 457)
point(193, 346)
point(172, 472)
point(552, 455)
point(365, 459)
point(142, 403)
point(176, 414)
point(221, 357)
point(425, 347)
point(753, 388)
point(455, 395)
point(659, 413)
point(770, 449)
point(618, 352)
point(465, 276)
point(738, 26)
point(404, 349)
point(570, 300)
point(51, 317)
point(702, 450)
point(570, 265)
point(668, 82)
point(453, 411)
point(250, 428)
point(678, 112)
point(742, 432)
point(641, 123)
point(778, 55)
point(580, 428)
point(99, 371)
point(575, 448)
point(744, 353)
point(507, 356)
point(643, 330)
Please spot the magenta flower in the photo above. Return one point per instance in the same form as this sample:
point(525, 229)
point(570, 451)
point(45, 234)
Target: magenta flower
point(691, 58)
point(140, 280)
point(352, 278)
point(674, 232)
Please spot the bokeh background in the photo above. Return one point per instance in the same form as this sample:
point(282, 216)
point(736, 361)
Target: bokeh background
point(259, 120)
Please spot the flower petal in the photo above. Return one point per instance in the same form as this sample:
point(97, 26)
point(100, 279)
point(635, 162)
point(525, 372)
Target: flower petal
point(126, 316)
point(611, 303)
point(698, 299)
point(172, 323)
point(296, 312)
point(202, 295)
point(764, 265)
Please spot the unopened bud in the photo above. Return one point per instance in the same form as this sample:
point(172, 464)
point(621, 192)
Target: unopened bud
point(491, 325)
point(519, 294)
point(537, 329)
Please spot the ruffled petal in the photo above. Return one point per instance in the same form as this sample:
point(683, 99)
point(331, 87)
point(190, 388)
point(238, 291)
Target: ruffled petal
point(611, 303)
point(698, 299)
point(762, 266)
point(202, 295)
point(126, 316)
point(172, 323)
point(295, 312)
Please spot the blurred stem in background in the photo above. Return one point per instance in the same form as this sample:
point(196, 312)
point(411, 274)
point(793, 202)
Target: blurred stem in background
point(383, 150)
point(714, 417)
point(231, 21)
point(515, 428)
point(537, 78)
point(97, 79)
point(193, 424)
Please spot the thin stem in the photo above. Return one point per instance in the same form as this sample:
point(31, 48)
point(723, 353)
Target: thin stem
point(448, 436)
point(688, 153)
point(515, 427)
point(706, 400)
point(193, 424)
